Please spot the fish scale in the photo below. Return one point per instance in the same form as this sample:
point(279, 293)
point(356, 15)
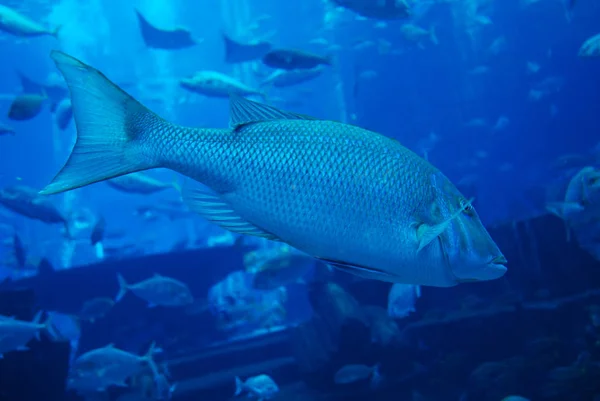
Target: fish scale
point(356, 199)
point(280, 176)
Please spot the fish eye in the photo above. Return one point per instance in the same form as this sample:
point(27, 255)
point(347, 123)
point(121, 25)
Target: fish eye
point(467, 207)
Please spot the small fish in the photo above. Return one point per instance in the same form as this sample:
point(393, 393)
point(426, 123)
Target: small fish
point(515, 398)
point(139, 183)
point(113, 364)
point(96, 308)
point(579, 188)
point(482, 20)
point(533, 68)
point(415, 33)
point(216, 84)
point(6, 130)
point(26, 106)
point(381, 9)
point(402, 299)
point(168, 39)
point(157, 290)
point(380, 211)
point(501, 123)
point(262, 387)
point(291, 59)
point(66, 328)
point(15, 334)
point(237, 52)
point(19, 25)
point(353, 373)
point(591, 47)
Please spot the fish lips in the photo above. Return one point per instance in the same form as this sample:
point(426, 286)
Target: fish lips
point(496, 268)
point(491, 270)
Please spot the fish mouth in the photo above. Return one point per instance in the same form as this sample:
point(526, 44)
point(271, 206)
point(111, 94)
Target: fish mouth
point(498, 263)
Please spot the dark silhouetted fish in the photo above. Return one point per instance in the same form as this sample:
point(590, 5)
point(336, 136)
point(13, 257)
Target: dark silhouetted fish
point(169, 39)
point(291, 59)
point(26, 106)
point(236, 52)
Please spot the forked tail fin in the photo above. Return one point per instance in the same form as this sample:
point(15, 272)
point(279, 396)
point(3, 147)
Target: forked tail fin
point(111, 127)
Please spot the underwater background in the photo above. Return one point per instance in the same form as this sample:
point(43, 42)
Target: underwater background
point(120, 291)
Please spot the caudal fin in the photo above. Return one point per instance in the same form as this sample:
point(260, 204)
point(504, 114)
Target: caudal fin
point(123, 288)
point(110, 129)
point(56, 31)
point(239, 386)
point(149, 358)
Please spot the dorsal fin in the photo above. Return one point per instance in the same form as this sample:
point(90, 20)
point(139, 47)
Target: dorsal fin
point(244, 111)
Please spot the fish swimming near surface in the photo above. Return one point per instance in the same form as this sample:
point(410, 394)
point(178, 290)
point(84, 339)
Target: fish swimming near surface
point(380, 9)
point(19, 25)
point(167, 39)
point(352, 198)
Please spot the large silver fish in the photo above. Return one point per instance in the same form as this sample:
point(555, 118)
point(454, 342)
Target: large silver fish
point(353, 198)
